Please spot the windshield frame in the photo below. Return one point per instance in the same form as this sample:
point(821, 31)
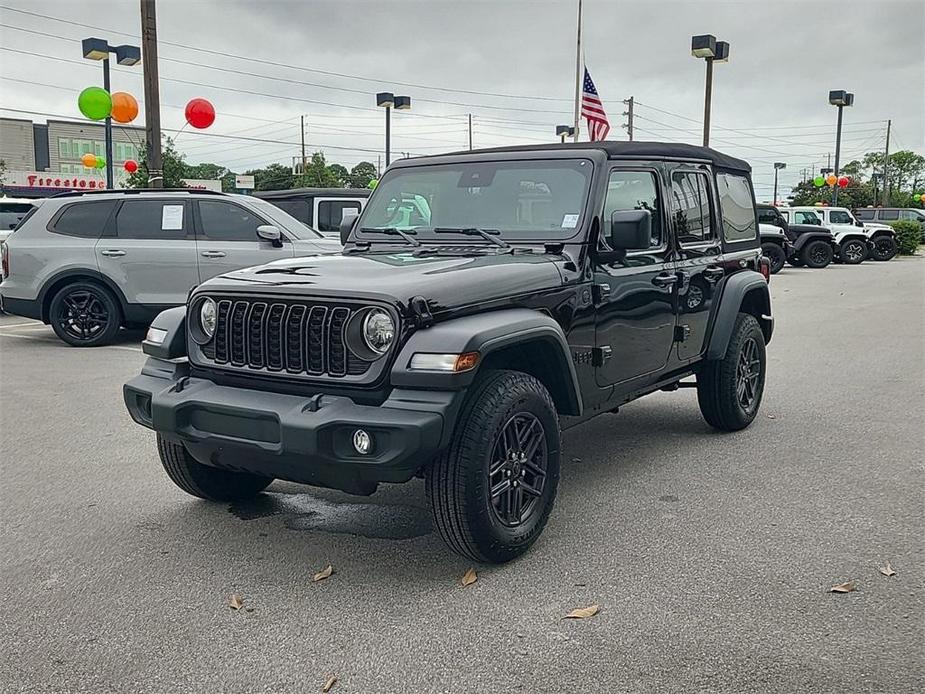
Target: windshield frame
point(527, 236)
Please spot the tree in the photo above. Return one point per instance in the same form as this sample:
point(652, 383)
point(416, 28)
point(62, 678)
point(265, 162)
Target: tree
point(175, 169)
point(273, 177)
point(318, 174)
point(341, 174)
point(362, 174)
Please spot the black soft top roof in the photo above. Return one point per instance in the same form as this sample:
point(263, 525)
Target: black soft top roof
point(329, 192)
point(651, 150)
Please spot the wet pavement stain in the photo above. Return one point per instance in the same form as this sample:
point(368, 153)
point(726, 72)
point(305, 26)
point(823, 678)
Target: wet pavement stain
point(306, 512)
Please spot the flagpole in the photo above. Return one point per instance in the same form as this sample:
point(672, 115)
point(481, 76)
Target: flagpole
point(578, 73)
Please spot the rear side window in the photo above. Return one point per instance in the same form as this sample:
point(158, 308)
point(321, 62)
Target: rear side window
point(85, 219)
point(889, 214)
point(151, 219)
point(691, 207)
point(331, 213)
point(737, 207)
point(864, 215)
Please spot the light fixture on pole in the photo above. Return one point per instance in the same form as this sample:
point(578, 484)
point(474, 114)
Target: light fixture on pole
point(388, 101)
point(99, 49)
point(839, 98)
point(564, 131)
point(778, 165)
point(712, 51)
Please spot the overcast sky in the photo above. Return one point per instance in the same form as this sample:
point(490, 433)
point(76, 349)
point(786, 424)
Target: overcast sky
point(511, 64)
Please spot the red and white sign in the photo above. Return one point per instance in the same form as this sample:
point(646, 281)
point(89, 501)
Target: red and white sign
point(51, 180)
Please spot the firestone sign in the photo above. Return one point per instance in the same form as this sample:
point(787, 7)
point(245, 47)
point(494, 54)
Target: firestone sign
point(50, 180)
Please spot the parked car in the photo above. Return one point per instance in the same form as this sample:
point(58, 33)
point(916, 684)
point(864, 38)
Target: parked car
point(885, 215)
point(855, 241)
point(320, 208)
point(547, 285)
point(89, 263)
point(805, 242)
point(12, 212)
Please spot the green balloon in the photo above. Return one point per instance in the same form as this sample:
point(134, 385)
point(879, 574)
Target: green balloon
point(372, 184)
point(100, 163)
point(95, 103)
point(819, 181)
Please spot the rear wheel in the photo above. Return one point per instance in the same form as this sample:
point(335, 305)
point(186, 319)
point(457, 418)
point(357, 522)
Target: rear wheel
point(205, 481)
point(852, 251)
point(775, 254)
point(85, 314)
point(817, 254)
point(885, 247)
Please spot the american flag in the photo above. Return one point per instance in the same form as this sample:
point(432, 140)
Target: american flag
point(593, 110)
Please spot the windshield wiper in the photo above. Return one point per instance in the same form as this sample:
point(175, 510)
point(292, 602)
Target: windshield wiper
point(487, 234)
point(392, 231)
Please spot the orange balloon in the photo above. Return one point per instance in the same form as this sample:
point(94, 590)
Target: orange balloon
point(831, 179)
point(88, 160)
point(124, 107)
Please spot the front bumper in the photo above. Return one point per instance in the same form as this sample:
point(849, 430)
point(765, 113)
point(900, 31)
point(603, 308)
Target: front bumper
point(302, 438)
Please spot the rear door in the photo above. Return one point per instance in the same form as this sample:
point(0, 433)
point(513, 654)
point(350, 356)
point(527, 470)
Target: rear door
point(150, 252)
point(700, 254)
point(226, 238)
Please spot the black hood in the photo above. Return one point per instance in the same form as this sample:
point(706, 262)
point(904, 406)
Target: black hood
point(445, 281)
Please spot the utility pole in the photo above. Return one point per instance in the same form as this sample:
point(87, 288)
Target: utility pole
point(303, 145)
point(828, 160)
point(470, 132)
point(886, 166)
point(578, 74)
point(152, 95)
point(629, 117)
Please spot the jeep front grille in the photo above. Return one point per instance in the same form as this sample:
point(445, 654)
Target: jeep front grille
point(283, 336)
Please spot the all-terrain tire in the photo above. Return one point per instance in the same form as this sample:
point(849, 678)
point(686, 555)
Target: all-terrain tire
point(817, 254)
point(885, 248)
point(775, 254)
point(459, 484)
point(205, 481)
point(852, 251)
point(85, 314)
point(718, 383)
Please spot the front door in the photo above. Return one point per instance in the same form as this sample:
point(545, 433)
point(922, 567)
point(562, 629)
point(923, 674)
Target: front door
point(227, 239)
point(699, 265)
point(635, 318)
point(150, 253)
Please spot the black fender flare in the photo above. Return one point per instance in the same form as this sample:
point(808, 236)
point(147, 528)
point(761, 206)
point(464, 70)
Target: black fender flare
point(805, 238)
point(173, 342)
point(488, 333)
point(746, 289)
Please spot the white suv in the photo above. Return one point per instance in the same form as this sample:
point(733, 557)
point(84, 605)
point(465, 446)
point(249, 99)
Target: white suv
point(856, 242)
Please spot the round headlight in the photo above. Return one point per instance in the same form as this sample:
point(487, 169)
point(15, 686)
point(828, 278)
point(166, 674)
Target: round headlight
point(378, 331)
point(207, 318)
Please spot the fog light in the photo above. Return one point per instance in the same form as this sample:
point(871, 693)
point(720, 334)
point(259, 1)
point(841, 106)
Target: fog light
point(362, 442)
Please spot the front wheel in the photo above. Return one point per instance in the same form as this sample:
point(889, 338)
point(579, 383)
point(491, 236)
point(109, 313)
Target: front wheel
point(817, 254)
point(775, 254)
point(729, 390)
point(885, 247)
point(84, 314)
point(492, 490)
point(852, 251)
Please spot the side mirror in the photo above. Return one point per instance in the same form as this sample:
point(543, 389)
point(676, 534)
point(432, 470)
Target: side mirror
point(858, 223)
point(630, 230)
point(346, 225)
point(268, 232)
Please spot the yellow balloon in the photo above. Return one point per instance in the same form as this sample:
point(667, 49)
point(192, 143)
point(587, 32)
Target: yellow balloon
point(88, 160)
point(831, 179)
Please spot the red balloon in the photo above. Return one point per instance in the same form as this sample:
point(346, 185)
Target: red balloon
point(200, 113)
point(131, 165)
point(843, 182)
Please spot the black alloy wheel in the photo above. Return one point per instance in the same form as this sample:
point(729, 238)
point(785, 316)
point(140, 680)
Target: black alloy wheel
point(84, 314)
point(817, 254)
point(775, 254)
point(748, 375)
point(885, 248)
point(517, 475)
point(852, 251)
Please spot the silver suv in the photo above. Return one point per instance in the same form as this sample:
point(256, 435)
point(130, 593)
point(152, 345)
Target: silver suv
point(90, 263)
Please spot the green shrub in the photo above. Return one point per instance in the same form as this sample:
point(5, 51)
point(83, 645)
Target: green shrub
point(908, 236)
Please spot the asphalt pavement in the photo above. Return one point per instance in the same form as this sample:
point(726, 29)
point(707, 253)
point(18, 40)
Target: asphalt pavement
point(710, 555)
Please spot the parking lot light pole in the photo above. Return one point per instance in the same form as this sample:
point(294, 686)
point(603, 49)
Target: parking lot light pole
point(99, 49)
point(839, 98)
point(778, 165)
point(388, 101)
point(564, 131)
point(712, 51)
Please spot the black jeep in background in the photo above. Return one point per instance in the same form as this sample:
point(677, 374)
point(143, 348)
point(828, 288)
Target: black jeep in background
point(484, 301)
point(807, 243)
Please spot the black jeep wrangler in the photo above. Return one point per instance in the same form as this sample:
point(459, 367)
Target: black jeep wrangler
point(483, 301)
point(806, 243)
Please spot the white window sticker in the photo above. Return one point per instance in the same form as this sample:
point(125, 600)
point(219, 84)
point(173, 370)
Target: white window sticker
point(569, 221)
point(172, 217)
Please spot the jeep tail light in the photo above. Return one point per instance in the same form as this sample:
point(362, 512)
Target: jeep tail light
point(456, 363)
point(764, 267)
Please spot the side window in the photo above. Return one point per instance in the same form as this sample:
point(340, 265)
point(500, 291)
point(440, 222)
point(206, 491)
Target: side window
point(806, 218)
point(84, 219)
point(736, 206)
point(691, 207)
point(331, 212)
point(864, 215)
point(913, 215)
point(840, 217)
point(151, 219)
point(889, 215)
point(634, 190)
point(225, 221)
point(768, 217)
point(300, 209)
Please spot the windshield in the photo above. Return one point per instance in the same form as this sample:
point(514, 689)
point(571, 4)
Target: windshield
point(285, 220)
point(534, 199)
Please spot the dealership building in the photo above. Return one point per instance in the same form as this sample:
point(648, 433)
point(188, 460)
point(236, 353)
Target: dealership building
point(44, 158)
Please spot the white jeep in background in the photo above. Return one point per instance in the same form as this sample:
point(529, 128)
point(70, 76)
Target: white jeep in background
point(856, 242)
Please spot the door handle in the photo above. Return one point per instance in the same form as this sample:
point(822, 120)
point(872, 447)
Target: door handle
point(665, 279)
point(213, 254)
point(112, 252)
point(713, 273)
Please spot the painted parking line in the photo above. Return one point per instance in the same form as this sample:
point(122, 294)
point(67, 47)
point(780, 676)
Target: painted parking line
point(126, 348)
point(31, 323)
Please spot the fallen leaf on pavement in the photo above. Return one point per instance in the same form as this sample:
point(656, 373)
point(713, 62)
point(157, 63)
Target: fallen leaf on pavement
point(887, 570)
point(583, 612)
point(771, 416)
point(469, 577)
point(329, 682)
point(323, 574)
point(848, 587)
point(235, 602)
